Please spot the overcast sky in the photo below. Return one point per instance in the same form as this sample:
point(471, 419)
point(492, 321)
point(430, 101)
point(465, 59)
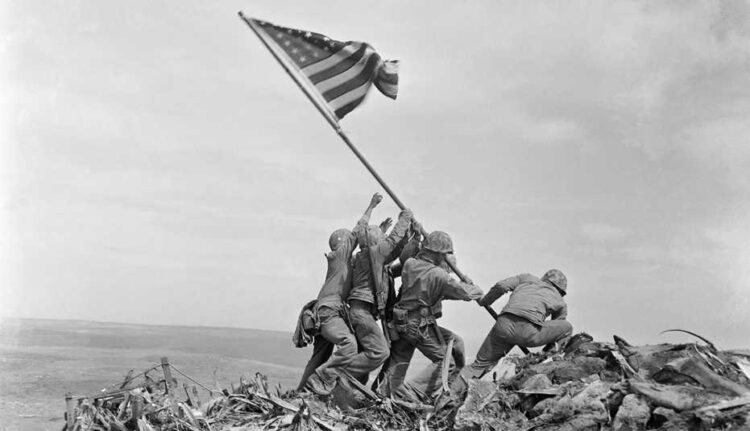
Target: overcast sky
point(159, 167)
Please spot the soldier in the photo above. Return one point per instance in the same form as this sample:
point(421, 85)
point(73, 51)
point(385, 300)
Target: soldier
point(371, 285)
point(426, 283)
point(522, 321)
point(331, 312)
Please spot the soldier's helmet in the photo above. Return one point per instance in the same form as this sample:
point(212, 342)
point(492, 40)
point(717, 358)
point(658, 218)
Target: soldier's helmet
point(439, 242)
point(374, 235)
point(338, 237)
point(557, 279)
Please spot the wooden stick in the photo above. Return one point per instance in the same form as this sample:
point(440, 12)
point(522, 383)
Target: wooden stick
point(127, 379)
point(167, 374)
point(737, 402)
point(292, 408)
point(69, 411)
point(362, 388)
point(123, 407)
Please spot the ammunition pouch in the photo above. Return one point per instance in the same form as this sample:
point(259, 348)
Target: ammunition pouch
point(422, 316)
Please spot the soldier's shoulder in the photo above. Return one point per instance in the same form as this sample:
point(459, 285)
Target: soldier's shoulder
point(528, 278)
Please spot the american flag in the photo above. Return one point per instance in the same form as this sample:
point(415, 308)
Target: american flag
point(341, 72)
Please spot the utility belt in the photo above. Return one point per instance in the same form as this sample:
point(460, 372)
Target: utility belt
point(421, 316)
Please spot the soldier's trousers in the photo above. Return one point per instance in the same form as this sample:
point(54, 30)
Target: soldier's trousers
point(334, 332)
point(509, 331)
point(322, 350)
point(425, 339)
point(372, 343)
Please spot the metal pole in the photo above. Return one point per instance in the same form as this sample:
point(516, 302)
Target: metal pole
point(334, 123)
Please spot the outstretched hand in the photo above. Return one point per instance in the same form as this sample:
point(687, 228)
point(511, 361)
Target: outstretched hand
point(416, 227)
point(386, 224)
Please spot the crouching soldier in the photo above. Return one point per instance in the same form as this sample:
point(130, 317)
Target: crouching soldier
point(426, 283)
point(522, 321)
point(320, 375)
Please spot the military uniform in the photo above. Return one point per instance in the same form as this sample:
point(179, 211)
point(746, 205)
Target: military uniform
point(371, 284)
point(425, 286)
point(522, 320)
point(332, 314)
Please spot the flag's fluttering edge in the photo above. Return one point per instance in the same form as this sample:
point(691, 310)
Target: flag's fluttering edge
point(340, 72)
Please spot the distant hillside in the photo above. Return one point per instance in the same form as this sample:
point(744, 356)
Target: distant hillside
point(267, 346)
point(41, 360)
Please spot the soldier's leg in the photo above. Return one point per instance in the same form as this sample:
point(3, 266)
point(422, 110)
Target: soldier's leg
point(334, 329)
point(322, 350)
point(402, 352)
point(371, 340)
point(496, 345)
point(429, 380)
point(551, 331)
point(459, 353)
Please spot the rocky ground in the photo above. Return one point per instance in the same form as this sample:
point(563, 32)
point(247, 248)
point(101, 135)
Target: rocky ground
point(584, 385)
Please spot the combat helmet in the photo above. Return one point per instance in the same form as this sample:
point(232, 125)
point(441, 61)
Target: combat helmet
point(439, 242)
point(374, 235)
point(556, 278)
point(337, 237)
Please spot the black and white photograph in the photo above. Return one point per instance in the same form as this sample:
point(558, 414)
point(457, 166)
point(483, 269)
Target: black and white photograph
point(524, 215)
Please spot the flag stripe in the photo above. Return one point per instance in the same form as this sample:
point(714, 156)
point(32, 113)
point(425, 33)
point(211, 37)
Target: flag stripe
point(349, 97)
point(339, 67)
point(335, 75)
point(363, 77)
point(389, 90)
point(327, 62)
point(341, 112)
point(339, 79)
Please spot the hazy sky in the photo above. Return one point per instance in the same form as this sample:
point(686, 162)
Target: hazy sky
point(159, 167)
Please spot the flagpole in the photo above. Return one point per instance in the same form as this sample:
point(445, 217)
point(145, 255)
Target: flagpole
point(337, 127)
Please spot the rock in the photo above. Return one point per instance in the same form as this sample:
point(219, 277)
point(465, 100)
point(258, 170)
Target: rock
point(677, 398)
point(568, 369)
point(491, 416)
point(541, 407)
point(583, 422)
point(650, 359)
point(660, 416)
point(694, 369)
point(480, 393)
point(538, 384)
point(632, 415)
point(504, 371)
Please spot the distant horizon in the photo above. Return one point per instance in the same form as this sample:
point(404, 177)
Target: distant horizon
point(685, 337)
point(2, 318)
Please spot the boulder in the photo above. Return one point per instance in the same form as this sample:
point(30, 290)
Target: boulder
point(632, 415)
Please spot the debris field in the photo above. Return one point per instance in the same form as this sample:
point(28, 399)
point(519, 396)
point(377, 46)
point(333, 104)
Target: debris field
point(585, 385)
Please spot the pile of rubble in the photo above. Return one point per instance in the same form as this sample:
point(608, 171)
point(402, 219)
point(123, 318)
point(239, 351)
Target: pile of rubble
point(587, 385)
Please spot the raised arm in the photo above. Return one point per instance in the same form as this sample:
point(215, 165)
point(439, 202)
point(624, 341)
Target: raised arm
point(361, 226)
point(386, 248)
